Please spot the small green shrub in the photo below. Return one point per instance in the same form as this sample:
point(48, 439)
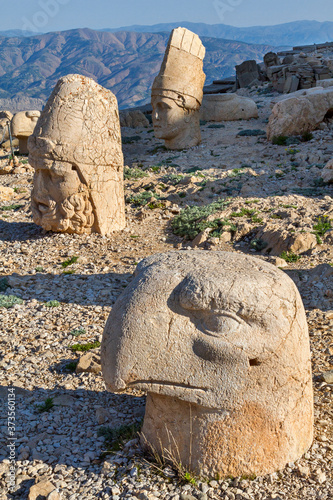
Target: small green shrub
point(250, 213)
point(52, 303)
point(117, 437)
point(77, 332)
point(292, 151)
point(141, 199)
point(256, 220)
point(192, 220)
point(251, 133)
point(71, 366)
point(280, 140)
point(11, 208)
point(173, 179)
point(134, 173)
point(85, 347)
point(156, 149)
point(276, 216)
point(289, 206)
point(69, 262)
point(307, 136)
point(237, 172)
point(189, 478)
point(193, 170)
point(258, 244)
point(4, 284)
point(292, 141)
point(290, 256)
point(244, 212)
point(249, 202)
point(45, 407)
point(9, 301)
point(319, 182)
point(216, 125)
point(131, 139)
point(154, 205)
point(322, 225)
point(39, 269)
point(155, 168)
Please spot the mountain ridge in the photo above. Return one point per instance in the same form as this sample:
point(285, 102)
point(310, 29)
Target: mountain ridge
point(124, 62)
point(289, 34)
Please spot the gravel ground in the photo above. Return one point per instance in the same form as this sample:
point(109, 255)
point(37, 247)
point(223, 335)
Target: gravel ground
point(57, 307)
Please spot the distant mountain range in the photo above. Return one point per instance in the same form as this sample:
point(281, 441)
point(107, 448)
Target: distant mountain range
point(15, 33)
point(289, 34)
point(124, 62)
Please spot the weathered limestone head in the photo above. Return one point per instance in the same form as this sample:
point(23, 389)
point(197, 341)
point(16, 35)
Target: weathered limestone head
point(220, 343)
point(77, 155)
point(178, 91)
point(23, 125)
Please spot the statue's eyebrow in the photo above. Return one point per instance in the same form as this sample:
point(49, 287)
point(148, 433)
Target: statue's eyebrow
point(221, 301)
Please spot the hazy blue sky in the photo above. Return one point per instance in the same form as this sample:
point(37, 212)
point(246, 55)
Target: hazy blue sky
point(50, 15)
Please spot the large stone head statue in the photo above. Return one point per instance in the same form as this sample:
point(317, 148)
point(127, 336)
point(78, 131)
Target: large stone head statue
point(77, 155)
point(23, 124)
point(220, 343)
point(178, 90)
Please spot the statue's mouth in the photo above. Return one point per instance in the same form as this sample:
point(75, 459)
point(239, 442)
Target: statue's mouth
point(43, 207)
point(162, 387)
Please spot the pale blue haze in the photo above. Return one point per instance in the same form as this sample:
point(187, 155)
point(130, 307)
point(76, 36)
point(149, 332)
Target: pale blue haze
point(51, 15)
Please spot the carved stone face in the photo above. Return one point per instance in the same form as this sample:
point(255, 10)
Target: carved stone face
point(24, 123)
point(59, 199)
point(195, 327)
point(176, 123)
point(169, 118)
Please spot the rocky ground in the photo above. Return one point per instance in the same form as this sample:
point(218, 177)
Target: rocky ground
point(56, 292)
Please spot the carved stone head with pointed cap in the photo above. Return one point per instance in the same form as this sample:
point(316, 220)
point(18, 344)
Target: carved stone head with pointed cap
point(220, 343)
point(178, 91)
point(77, 156)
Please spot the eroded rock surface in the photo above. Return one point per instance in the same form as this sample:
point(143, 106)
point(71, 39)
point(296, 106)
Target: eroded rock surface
point(220, 343)
point(77, 156)
point(300, 113)
point(227, 107)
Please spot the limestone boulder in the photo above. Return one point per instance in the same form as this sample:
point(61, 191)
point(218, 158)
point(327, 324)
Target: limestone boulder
point(220, 342)
point(248, 73)
point(280, 240)
point(133, 119)
point(227, 107)
point(43, 489)
point(23, 125)
point(6, 193)
point(325, 83)
point(299, 114)
point(89, 362)
point(327, 172)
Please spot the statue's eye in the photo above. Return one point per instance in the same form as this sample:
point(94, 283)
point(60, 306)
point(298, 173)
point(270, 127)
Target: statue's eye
point(221, 324)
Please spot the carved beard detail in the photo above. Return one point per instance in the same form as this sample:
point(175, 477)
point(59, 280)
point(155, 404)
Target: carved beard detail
point(72, 215)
